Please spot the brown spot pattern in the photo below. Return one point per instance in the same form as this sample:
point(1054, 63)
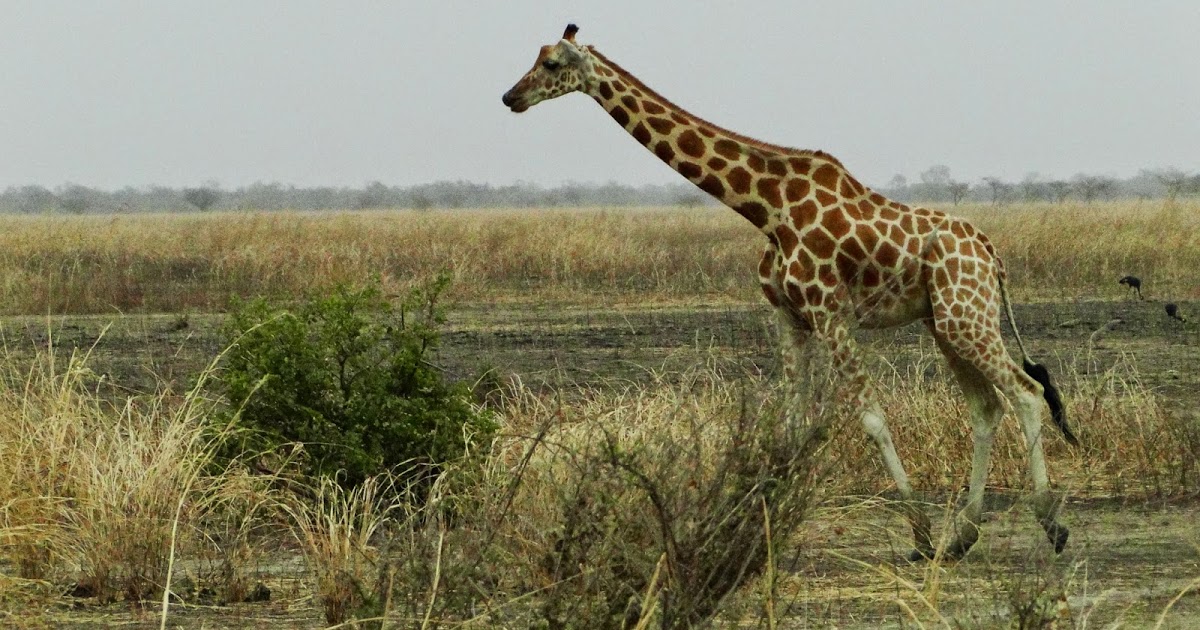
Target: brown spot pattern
point(887, 255)
point(852, 249)
point(836, 223)
point(713, 186)
point(766, 264)
point(805, 213)
point(754, 212)
point(826, 176)
point(819, 243)
point(653, 108)
point(691, 144)
point(728, 149)
point(787, 239)
point(797, 188)
point(716, 163)
point(620, 115)
point(642, 134)
point(739, 180)
point(826, 198)
point(768, 189)
point(664, 151)
point(690, 170)
point(661, 125)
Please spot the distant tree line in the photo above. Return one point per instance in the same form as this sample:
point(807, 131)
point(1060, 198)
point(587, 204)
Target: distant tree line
point(77, 199)
point(934, 185)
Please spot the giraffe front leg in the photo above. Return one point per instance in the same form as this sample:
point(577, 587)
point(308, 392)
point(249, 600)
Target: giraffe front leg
point(848, 365)
point(876, 427)
point(792, 338)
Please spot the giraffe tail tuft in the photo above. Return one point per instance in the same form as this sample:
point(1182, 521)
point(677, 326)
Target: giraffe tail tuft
point(1058, 413)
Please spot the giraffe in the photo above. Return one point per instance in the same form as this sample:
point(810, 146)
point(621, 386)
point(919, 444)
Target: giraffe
point(839, 255)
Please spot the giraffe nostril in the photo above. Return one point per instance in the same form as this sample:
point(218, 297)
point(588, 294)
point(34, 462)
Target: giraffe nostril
point(507, 99)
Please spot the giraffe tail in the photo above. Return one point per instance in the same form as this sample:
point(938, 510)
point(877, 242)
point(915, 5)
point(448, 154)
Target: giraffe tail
point(1037, 371)
point(1058, 412)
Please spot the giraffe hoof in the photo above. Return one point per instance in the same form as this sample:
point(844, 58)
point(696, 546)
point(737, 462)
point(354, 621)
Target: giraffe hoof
point(1058, 535)
point(921, 554)
point(956, 551)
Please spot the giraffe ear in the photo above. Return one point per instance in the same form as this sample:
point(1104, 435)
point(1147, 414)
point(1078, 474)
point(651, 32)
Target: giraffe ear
point(571, 52)
point(569, 34)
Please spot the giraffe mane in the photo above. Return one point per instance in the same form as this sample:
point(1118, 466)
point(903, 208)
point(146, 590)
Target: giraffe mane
point(766, 147)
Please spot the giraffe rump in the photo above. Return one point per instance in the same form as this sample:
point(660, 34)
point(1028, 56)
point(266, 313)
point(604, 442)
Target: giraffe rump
point(1058, 413)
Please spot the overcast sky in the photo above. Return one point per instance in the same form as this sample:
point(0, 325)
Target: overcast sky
point(133, 93)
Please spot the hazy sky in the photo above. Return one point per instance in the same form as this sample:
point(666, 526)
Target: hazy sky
point(117, 93)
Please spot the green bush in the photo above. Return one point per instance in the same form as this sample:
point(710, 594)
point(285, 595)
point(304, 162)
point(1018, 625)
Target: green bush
point(347, 375)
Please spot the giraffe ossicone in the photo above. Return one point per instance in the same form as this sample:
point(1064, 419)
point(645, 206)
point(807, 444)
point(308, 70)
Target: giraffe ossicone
point(839, 254)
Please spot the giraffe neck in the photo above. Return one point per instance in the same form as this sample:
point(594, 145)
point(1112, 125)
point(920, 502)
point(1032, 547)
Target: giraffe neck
point(754, 178)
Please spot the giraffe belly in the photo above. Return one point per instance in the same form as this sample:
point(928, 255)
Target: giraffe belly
point(890, 311)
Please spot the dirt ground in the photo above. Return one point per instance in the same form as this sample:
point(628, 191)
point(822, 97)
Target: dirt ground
point(1125, 563)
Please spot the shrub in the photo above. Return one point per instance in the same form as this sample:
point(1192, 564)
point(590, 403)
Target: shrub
point(347, 376)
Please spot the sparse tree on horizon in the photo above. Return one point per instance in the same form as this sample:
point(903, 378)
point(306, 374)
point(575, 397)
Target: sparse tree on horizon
point(936, 180)
point(203, 197)
point(1032, 188)
point(75, 199)
point(1059, 190)
point(1171, 178)
point(958, 191)
point(1089, 187)
point(999, 189)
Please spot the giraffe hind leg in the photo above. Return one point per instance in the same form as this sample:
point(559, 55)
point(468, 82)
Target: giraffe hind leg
point(983, 349)
point(986, 410)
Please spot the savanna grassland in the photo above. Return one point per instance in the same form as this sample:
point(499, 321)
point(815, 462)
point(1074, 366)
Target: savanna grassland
point(629, 360)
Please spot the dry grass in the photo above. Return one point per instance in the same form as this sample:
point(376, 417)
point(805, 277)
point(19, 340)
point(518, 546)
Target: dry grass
point(582, 509)
point(97, 491)
point(98, 495)
point(1133, 445)
point(180, 263)
point(335, 532)
point(648, 506)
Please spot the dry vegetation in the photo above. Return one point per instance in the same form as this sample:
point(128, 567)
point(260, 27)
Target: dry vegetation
point(174, 263)
point(615, 507)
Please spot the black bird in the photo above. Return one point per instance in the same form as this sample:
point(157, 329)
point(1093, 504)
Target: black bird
point(1173, 312)
point(1133, 282)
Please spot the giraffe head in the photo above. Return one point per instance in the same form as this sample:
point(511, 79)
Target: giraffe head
point(560, 69)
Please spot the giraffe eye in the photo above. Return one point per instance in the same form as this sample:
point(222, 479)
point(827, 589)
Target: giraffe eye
point(551, 65)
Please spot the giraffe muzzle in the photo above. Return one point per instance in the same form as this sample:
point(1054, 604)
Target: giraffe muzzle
point(513, 102)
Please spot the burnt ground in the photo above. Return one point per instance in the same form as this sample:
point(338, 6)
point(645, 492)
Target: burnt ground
point(1126, 561)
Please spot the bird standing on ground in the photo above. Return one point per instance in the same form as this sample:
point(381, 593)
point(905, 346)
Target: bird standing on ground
point(1133, 282)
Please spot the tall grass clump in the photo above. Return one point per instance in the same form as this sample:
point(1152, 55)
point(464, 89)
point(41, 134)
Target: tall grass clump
point(98, 493)
point(648, 507)
point(336, 528)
